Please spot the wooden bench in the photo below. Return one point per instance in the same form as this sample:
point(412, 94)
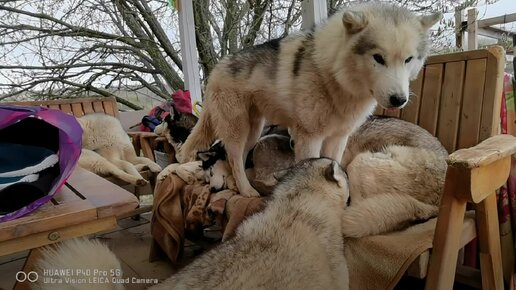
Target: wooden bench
point(458, 100)
point(86, 205)
point(81, 106)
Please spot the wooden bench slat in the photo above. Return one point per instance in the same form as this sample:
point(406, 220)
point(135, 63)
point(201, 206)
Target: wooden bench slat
point(449, 110)
point(66, 195)
point(110, 108)
point(490, 120)
point(47, 218)
point(77, 110)
point(430, 97)
point(104, 195)
point(67, 108)
point(41, 238)
point(98, 107)
point(472, 104)
point(379, 110)
point(411, 112)
point(87, 107)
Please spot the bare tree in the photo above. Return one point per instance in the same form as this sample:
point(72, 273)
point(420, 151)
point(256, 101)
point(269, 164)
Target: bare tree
point(69, 48)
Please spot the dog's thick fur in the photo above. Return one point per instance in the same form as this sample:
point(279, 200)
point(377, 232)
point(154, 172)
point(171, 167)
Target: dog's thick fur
point(107, 150)
point(321, 84)
point(78, 259)
point(396, 174)
point(295, 243)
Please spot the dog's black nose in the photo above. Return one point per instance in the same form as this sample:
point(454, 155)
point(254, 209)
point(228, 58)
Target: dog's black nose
point(397, 100)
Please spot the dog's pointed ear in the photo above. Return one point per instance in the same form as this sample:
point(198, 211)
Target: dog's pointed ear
point(427, 21)
point(354, 21)
point(335, 173)
point(204, 156)
point(173, 113)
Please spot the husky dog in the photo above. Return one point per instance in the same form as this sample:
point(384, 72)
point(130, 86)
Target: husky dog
point(216, 169)
point(176, 127)
point(396, 174)
point(75, 261)
point(321, 84)
point(294, 243)
point(107, 149)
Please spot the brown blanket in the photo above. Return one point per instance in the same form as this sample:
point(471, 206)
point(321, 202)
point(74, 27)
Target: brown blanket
point(180, 207)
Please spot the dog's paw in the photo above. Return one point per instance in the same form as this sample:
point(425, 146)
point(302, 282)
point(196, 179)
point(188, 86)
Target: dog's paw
point(250, 192)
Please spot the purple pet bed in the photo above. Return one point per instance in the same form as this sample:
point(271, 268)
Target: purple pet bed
point(39, 149)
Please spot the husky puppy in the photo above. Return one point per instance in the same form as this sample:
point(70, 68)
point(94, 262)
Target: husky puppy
point(294, 243)
point(216, 169)
point(396, 174)
point(322, 84)
point(107, 149)
point(74, 262)
point(176, 127)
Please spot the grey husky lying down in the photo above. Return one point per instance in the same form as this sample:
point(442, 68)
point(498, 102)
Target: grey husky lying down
point(396, 174)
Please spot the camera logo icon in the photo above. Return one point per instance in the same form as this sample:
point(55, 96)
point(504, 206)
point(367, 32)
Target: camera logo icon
point(32, 276)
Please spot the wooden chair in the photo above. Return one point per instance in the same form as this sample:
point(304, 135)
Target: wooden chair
point(458, 99)
point(81, 106)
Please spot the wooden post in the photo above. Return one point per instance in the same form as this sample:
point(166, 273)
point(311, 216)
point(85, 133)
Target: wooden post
point(459, 29)
point(314, 11)
point(472, 29)
point(189, 50)
point(514, 58)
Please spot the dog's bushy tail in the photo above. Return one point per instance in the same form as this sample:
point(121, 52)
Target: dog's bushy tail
point(201, 137)
point(79, 260)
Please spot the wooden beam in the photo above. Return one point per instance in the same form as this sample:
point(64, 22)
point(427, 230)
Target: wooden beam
point(497, 20)
point(189, 50)
point(472, 29)
point(459, 29)
point(314, 11)
point(494, 32)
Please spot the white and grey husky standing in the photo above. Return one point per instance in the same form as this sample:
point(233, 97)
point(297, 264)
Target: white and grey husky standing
point(322, 84)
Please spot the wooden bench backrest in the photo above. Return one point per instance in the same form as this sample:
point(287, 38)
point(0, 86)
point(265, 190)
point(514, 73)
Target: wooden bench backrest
point(457, 97)
point(78, 106)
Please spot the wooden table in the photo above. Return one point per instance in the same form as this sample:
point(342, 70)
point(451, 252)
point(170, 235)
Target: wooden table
point(87, 204)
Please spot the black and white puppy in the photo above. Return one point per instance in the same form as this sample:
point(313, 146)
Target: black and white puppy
point(176, 127)
point(215, 166)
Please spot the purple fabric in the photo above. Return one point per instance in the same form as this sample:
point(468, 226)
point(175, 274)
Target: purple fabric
point(70, 138)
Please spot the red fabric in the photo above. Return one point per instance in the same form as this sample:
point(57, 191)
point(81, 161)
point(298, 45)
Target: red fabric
point(182, 101)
